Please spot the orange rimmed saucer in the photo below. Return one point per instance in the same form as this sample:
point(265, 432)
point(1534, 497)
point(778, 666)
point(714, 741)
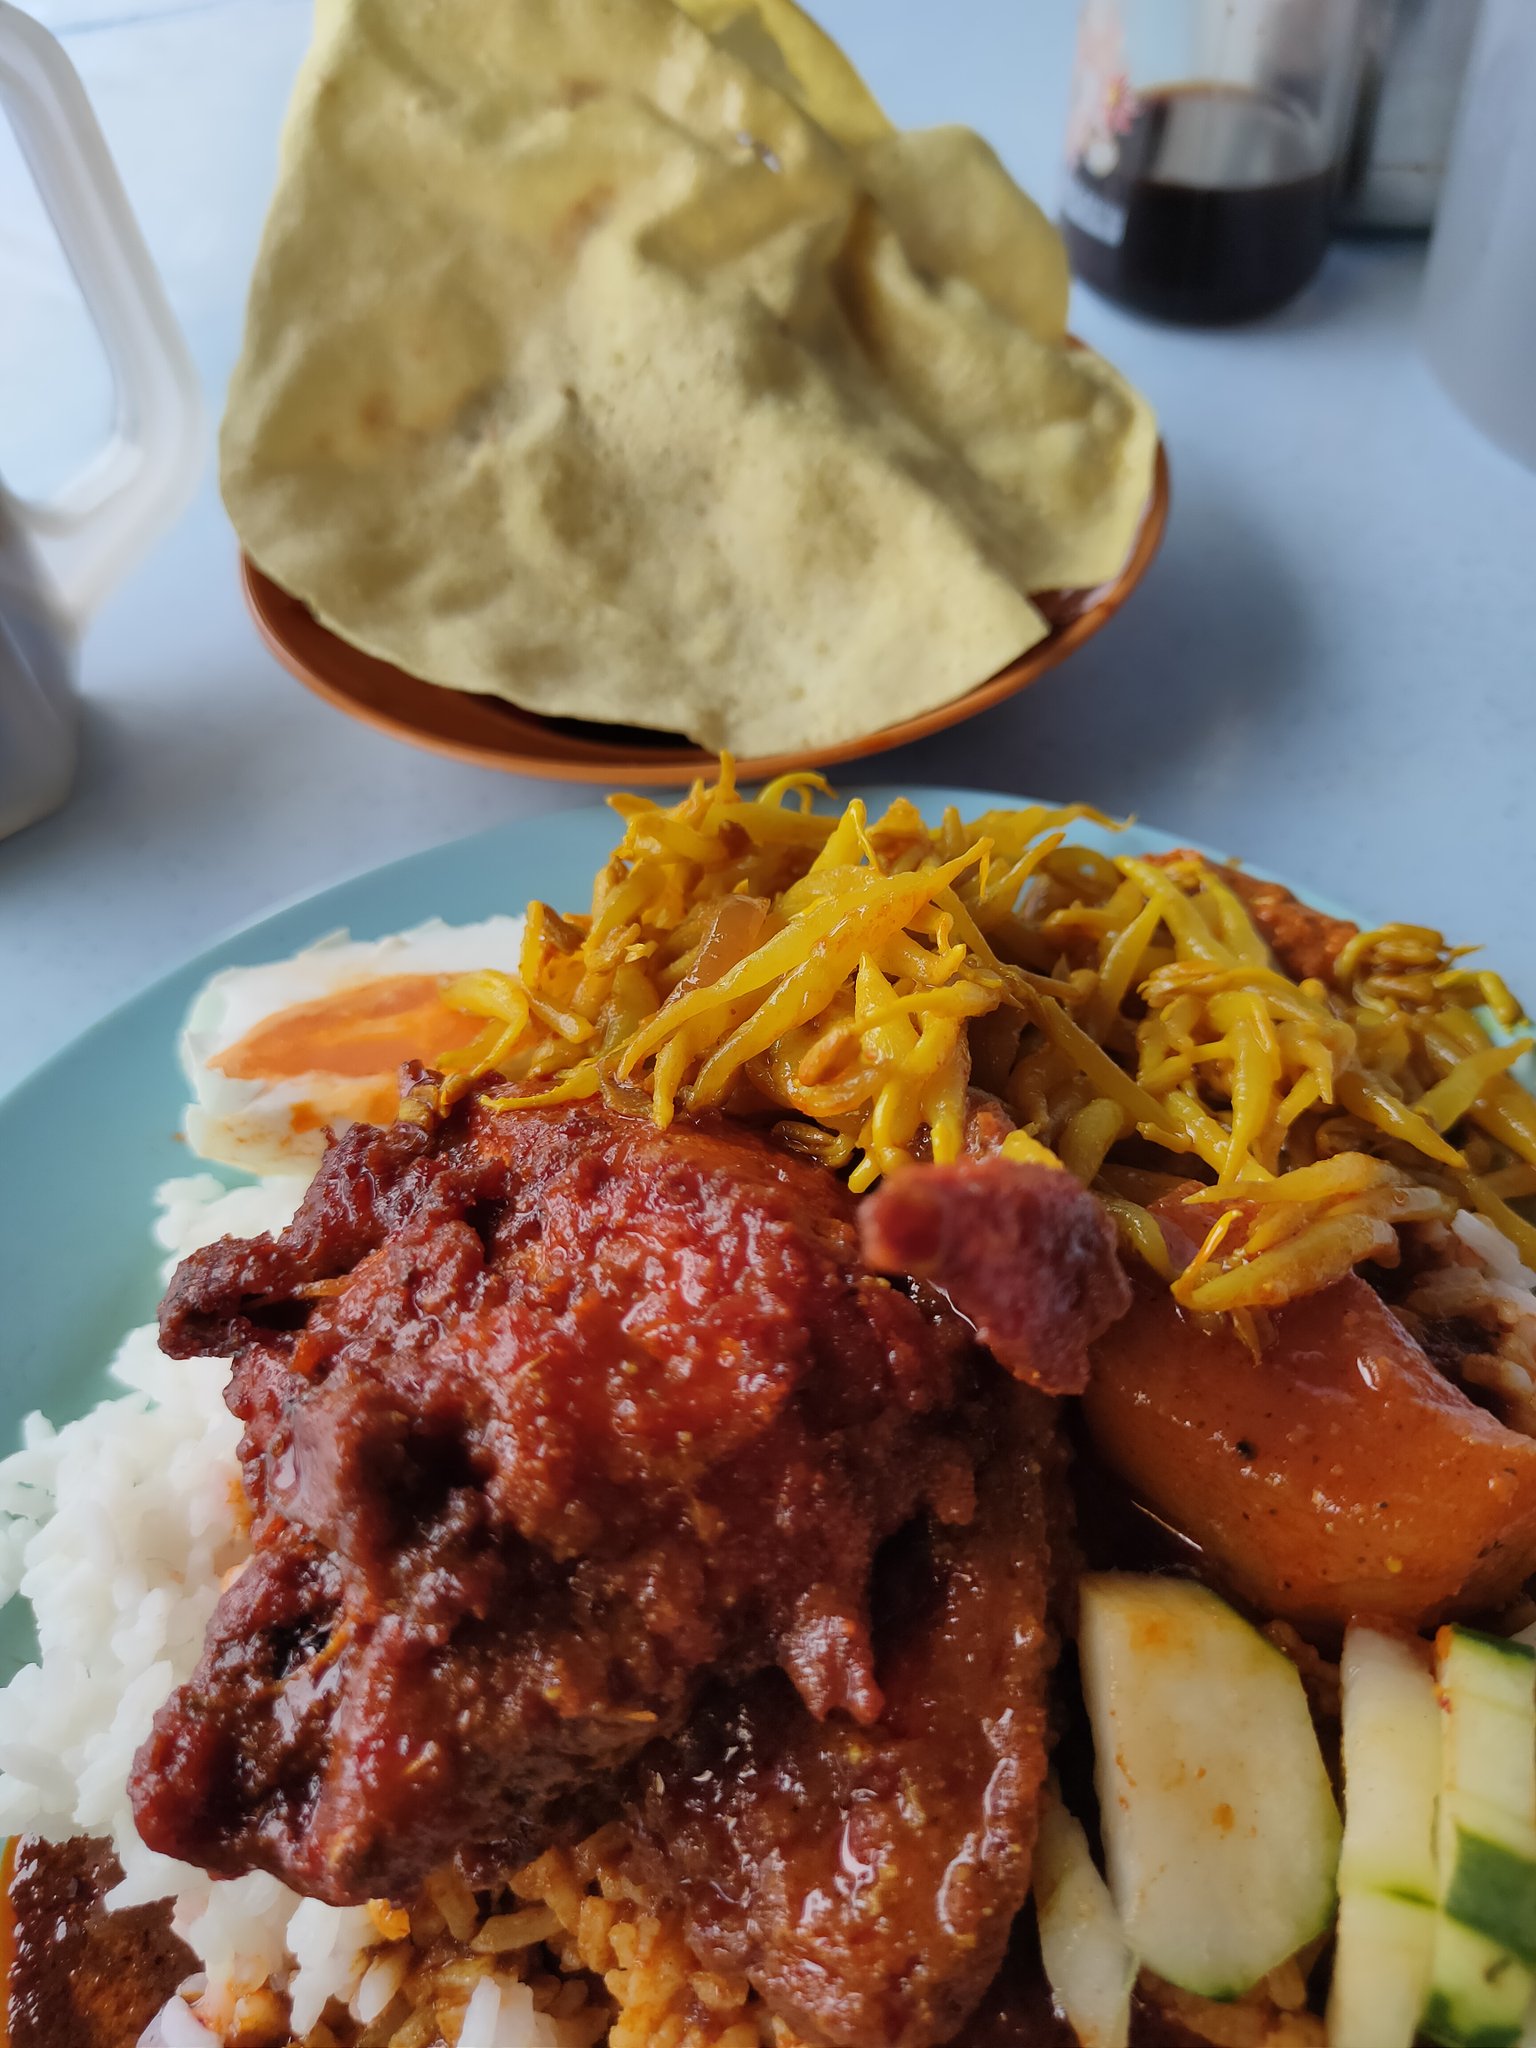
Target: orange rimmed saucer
point(494, 734)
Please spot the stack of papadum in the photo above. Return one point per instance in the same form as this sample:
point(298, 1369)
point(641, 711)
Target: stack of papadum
point(619, 358)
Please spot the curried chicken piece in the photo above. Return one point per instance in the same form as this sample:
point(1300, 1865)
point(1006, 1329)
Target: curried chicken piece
point(549, 1415)
point(1024, 1256)
point(1306, 942)
point(77, 1975)
point(866, 1879)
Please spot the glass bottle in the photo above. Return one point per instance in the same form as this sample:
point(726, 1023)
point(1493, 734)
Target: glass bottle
point(1204, 146)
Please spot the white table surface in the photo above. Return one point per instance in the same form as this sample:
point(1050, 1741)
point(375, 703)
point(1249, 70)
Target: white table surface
point(1331, 668)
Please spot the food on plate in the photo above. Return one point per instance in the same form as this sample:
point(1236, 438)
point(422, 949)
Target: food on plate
point(1390, 1756)
point(889, 1365)
point(80, 1972)
point(1335, 1469)
point(1218, 1884)
point(1484, 1971)
point(620, 359)
point(517, 1390)
point(276, 1055)
point(1087, 1961)
point(761, 1814)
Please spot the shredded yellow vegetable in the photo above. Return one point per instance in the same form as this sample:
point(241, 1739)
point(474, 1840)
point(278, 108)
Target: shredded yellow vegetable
point(864, 982)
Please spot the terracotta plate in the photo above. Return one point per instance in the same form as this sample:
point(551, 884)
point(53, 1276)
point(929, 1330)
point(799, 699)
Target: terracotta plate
point(495, 734)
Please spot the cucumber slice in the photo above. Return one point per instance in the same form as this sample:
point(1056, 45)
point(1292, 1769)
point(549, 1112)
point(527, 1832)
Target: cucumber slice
point(1480, 1993)
point(1487, 1849)
point(1484, 1973)
point(1490, 1886)
point(1391, 1756)
point(1498, 1670)
point(1088, 1962)
point(1387, 1879)
point(1380, 1970)
point(1220, 1830)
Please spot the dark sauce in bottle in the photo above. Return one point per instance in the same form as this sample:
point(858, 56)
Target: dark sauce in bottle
point(1214, 211)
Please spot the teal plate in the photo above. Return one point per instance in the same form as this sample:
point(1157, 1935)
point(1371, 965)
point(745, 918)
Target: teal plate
point(86, 1139)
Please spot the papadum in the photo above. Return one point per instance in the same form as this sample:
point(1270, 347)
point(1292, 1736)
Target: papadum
point(619, 358)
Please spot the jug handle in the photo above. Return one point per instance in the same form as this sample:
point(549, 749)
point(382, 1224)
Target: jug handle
point(99, 523)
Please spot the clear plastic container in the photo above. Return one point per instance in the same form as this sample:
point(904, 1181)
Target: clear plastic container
point(1479, 317)
point(1204, 148)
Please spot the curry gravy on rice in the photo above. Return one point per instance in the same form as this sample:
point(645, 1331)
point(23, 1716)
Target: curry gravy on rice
point(868, 1333)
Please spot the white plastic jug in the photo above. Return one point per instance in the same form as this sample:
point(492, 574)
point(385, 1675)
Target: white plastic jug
point(1479, 317)
point(60, 558)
